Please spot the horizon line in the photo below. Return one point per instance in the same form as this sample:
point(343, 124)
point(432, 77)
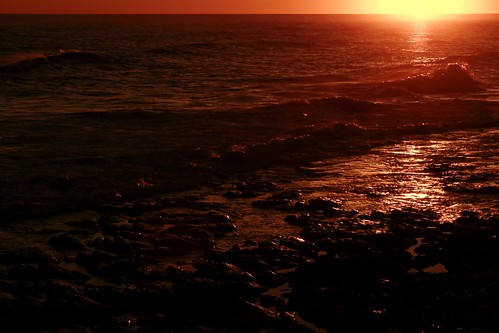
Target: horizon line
point(145, 13)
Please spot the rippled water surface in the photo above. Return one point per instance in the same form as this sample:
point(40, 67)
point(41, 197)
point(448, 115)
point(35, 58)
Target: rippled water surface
point(100, 109)
point(445, 174)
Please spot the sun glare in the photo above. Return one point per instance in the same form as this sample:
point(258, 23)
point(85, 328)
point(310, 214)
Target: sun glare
point(421, 9)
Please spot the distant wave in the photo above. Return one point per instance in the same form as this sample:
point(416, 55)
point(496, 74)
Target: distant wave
point(489, 56)
point(64, 57)
point(454, 78)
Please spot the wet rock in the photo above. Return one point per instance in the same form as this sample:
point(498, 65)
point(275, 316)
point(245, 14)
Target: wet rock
point(129, 209)
point(333, 212)
point(162, 252)
point(217, 217)
point(207, 290)
point(193, 231)
point(235, 194)
point(291, 194)
point(85, 224)
point(334, 309)
point(411, 216)
point(391, 241)
point(319, 231)
point(346, 247)
point(247, 260)
point(30, 255)
point(128, 323)
point(113, 244)
point(222, 227)
point(255, 318)
point(66, 242)
point(117, 267)
point(270, 301)
point(269, 279)
point(323, 203)
point(276, 204)
point(51, 271)
point(472, 250)
point(204, 329)
point(94, 257)
point(23, 271)
point(182, 242)
point(222, 270)
point(470, 218)
point(301, 220)
point(109, 229)
point(257, 186)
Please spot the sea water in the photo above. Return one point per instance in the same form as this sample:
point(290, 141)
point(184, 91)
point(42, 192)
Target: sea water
point(378, 112)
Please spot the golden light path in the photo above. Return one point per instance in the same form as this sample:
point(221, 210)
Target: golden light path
point(422, 9)
point(418, 174)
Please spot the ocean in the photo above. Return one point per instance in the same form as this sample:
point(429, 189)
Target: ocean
point(95, 107)
point(107, 119)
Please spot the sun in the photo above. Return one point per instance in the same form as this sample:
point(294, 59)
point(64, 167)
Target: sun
point(421, 9)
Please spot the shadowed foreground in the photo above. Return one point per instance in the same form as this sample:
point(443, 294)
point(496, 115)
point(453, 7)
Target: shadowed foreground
point(397, 271)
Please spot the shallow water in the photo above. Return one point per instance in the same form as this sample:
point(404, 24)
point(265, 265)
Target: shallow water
point(443, 173)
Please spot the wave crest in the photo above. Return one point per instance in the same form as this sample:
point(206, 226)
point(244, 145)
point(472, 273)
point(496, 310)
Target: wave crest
point(291, 150)
point(454, 78)
point(64, 57)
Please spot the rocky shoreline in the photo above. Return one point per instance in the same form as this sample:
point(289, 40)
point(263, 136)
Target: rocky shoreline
point(156, 266)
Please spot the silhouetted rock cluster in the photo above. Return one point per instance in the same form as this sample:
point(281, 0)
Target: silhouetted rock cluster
point(397, 271)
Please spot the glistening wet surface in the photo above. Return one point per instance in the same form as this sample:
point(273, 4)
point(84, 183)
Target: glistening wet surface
point(444, 173)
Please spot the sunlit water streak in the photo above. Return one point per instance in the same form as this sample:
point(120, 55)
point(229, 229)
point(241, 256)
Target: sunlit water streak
point(417, 173)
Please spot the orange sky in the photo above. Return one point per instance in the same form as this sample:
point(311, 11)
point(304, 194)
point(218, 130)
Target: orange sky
point(228, 6)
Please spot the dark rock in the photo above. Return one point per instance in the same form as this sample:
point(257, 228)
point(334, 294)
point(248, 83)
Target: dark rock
point(411, 216)
point(248, 261)
point(182, 242)
point(269, 279)
point(30, 255)
point(118, 267)
point(84, 259)
point(221, 270)
point(217, 217)
point(204, 289)
point(270, 301)
point(85, 224)
point(470, 217)
point(233, 194)
point(66, 242)
point(113, 244)
point(193, 231)
point(23, 271)
point(277, 204)
point(129, 209)
point(257, 186)
point(319, 231)
point(222, 227)
point(51, 271)
point(291, 194)
point(301, 220)
point(323, 203)
point(162, 252)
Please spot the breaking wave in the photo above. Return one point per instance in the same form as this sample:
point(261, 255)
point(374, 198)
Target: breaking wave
point(343, 126)
point(454, 78)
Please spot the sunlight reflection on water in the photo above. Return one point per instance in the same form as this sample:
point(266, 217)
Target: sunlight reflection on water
point(414, 173)
point(419, 37)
